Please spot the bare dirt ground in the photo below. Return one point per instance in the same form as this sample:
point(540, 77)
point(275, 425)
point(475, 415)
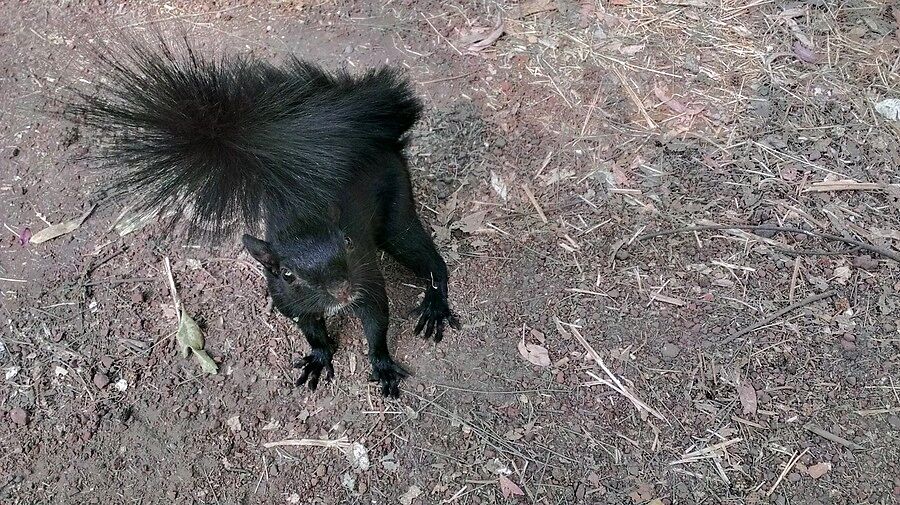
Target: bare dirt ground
point(665, 369)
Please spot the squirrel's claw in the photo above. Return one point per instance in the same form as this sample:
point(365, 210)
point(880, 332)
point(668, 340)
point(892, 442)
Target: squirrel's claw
point(434, 314)
point(389, 374)
point(312, 367)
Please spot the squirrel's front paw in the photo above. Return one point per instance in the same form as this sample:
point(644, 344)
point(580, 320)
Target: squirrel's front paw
point(312, 367)
point(434, 314)
point(388, 373)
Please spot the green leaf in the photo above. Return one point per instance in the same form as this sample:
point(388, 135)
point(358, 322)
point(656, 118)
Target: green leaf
point(189, 335)
point(206, 363)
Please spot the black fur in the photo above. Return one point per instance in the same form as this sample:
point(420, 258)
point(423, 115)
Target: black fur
point(317, 157)
point(236, 139)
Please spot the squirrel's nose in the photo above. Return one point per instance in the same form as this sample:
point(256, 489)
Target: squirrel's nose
point(341, 291)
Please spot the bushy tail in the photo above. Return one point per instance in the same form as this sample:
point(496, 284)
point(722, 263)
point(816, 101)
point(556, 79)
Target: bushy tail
point(228, 140)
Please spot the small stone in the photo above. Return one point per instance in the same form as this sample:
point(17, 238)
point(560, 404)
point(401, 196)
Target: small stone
point(321, 470)
point(894, 421)
point(670, 350)
point(18, 416)
point(579, 491)
point(622, 254)
point(101, 380)
point(106, 362)
point(362, 487)
point(137, 297)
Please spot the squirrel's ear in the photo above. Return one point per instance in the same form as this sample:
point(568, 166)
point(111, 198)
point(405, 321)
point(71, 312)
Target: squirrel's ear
point(261, 251)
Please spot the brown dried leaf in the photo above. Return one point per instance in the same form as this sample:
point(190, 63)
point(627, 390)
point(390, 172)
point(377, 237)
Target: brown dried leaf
point(805, 54)
point(509, 488)
point(818, 470)
point(747, 395)
point(535, 6)
point(60, 229)
point(631, 50)
point(490, 38)
point(535, 354)
point(470, 223)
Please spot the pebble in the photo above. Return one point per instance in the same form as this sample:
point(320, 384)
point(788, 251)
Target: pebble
point(18, 416)
point(362, 488)
point(670, 350)
point(137, 297)
point(894, 421)
point(321, 470)
point(101, 380)
point(106, 362)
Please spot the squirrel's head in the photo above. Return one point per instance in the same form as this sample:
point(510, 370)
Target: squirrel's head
point(318, 270)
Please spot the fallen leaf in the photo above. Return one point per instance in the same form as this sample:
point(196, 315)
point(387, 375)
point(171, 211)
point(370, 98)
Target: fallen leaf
point(471, 223)
point(534, 353)
point(189, 336)
point(206, 363)
point(536, 6)
point(587, 13)
point(509, 488)
point(411, 494)
point(60, 229)
point(747, 395)
point(842, 274)
point(631, 50)
point(818, 470)
point(804, 53)
point(490, 38)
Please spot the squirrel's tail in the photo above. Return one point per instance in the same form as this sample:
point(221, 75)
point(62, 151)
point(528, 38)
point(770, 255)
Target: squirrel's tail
point(228, 140)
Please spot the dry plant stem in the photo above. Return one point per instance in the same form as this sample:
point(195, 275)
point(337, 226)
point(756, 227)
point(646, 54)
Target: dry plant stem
point(613, 382)
point(862, 245)
point(787, 468)
point(776, 315)
point(832, 437)
point(174, 291)
point(340, 443)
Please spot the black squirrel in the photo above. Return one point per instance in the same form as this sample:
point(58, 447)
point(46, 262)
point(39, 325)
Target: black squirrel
point(317, 157)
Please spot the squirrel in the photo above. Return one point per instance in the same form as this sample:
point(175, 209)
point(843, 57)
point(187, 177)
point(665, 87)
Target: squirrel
point(316, 156)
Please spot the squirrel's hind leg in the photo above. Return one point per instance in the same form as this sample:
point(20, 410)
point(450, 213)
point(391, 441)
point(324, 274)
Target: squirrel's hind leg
point(404, 238)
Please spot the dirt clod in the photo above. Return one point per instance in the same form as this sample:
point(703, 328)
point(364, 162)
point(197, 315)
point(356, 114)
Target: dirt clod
point(18, 416)
point(101, 380)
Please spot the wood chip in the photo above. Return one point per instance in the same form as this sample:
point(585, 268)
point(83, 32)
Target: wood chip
point(827, 435)
point(668, 299)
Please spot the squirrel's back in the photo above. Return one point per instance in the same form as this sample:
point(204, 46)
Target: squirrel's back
point(234, 138)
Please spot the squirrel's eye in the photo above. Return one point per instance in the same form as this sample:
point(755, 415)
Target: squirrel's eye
point(287, 274)
point(348, 243)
